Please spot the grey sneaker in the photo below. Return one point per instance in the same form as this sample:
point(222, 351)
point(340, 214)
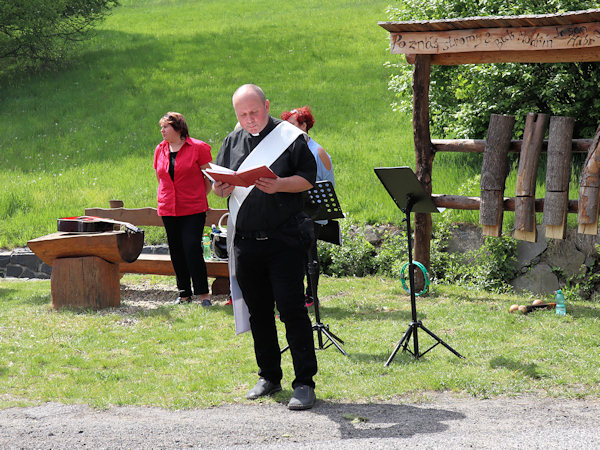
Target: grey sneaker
point(206, 303)
point(304, 398)
point(261, 388)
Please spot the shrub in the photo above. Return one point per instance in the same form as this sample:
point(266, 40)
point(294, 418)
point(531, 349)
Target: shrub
point(36, 32)
point(462, 98)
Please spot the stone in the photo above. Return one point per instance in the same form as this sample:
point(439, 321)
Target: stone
point(528, 252)
point(564, 255)
point(464, 238)
point(539, 280)
point(13, 271)
point(373, 235)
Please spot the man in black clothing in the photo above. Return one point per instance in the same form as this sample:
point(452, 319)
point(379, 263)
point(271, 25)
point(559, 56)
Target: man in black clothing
point(268, 248)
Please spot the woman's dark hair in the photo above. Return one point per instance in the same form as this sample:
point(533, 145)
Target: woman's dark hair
point(177, 121)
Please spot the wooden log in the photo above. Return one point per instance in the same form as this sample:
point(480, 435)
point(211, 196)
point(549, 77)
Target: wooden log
point(146, 216)
point(525, 228)
point(494, 170)
point(589, 185)
point(491, 212)
point(478, 145)
point(113, 246)
point(162, 265)
point(518, 56)
point(473, 203)
point(533, 137)
point(558, 175)
point(495, 39)
point(555, 214)
point(558, 170)
point(85, 282)
point(494, 166)
point(424, 160)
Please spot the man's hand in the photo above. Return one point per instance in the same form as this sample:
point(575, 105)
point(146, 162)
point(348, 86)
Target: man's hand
point(295, 183)
point(222, 189)
point(268, 185)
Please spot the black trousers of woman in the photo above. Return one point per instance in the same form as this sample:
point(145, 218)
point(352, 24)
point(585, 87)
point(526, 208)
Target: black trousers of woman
point(184, 235)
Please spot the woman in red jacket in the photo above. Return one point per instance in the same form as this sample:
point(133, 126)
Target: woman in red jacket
point(182, 188)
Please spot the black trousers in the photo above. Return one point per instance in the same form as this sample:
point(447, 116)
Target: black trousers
point(184, 235)
point(270, 273)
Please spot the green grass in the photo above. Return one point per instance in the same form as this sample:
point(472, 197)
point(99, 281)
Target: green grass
point(186, 357)
point(82, 135)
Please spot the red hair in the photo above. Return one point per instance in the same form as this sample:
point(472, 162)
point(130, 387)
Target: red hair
point(303, 115)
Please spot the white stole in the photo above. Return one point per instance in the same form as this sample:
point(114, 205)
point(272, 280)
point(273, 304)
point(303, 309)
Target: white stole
point(266, 152)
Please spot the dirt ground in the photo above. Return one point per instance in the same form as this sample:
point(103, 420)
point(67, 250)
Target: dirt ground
point(436, 421)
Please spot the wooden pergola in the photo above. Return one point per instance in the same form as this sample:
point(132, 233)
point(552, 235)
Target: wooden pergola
point(546, 38)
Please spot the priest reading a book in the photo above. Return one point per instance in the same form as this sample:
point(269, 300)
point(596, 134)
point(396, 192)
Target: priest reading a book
point(266, 242)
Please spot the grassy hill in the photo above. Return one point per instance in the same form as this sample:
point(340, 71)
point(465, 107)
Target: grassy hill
point(84, 134)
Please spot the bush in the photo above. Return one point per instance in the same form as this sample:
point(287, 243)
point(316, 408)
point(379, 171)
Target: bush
point(490, 268)
point(37, 32)
point(462, 98)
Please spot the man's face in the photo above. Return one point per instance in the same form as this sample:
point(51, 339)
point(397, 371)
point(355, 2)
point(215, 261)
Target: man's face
point(251, 112)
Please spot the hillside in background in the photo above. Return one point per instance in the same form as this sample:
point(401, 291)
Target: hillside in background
point(84, 134)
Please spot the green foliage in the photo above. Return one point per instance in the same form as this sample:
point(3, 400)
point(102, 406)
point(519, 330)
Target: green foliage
point(462, 98)
point(35, 32)
point(489, 268)
point(355, 257)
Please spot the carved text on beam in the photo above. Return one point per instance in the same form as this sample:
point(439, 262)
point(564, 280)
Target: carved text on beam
point(554, 37)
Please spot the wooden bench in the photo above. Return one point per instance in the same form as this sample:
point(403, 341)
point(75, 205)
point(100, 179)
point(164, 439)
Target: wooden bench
point(161, 264)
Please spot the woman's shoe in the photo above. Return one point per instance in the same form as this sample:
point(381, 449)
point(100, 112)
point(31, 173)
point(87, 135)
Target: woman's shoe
point(181, 300)
point(206, 302)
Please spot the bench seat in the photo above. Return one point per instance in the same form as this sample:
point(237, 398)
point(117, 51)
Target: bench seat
point(161, 265)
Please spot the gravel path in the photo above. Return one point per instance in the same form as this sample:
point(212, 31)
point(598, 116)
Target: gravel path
point(443, 421)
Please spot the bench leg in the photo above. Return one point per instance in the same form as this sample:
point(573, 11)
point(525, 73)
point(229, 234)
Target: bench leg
point(220, 286)
point(85, 282)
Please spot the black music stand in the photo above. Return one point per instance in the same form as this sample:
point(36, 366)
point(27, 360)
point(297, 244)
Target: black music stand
point(321, 203)
point(410, 196)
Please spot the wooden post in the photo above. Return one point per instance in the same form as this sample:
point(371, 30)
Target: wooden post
point(86, 282)
point(424, 159)
point(589, 185)
point(494, 170)
point(558, 174)
point(533, 137)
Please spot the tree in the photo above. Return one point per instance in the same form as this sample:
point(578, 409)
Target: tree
point(462, 98)
point(35, 32)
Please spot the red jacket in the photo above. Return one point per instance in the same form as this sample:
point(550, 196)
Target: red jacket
point(187, 195)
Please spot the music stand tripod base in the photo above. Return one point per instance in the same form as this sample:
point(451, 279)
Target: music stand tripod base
point(321, 203)
point(410, 196)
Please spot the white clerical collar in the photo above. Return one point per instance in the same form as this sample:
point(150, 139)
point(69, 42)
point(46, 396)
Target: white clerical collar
point(257, 134)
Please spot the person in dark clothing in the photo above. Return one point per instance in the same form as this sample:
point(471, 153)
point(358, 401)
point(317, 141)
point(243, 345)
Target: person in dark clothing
point(268, 246)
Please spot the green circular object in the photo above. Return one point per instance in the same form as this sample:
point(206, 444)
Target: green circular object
point(425, 275)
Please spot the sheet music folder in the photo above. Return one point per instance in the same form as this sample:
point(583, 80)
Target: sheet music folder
point(400, 182)
point(321, 203)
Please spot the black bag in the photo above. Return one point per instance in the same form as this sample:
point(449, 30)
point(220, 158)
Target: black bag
point(218, 240)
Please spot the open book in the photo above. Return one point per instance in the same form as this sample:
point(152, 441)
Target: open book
point(244, 178)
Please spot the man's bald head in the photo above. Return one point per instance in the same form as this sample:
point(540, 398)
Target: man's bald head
point(249, 89)
point(251, 108)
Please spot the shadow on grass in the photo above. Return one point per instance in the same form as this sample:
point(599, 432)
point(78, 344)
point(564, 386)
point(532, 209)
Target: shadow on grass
point(529, 370)
point(580, 311)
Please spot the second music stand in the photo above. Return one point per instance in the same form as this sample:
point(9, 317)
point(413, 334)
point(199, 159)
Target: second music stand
point(410, 196)
point(321, 203)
